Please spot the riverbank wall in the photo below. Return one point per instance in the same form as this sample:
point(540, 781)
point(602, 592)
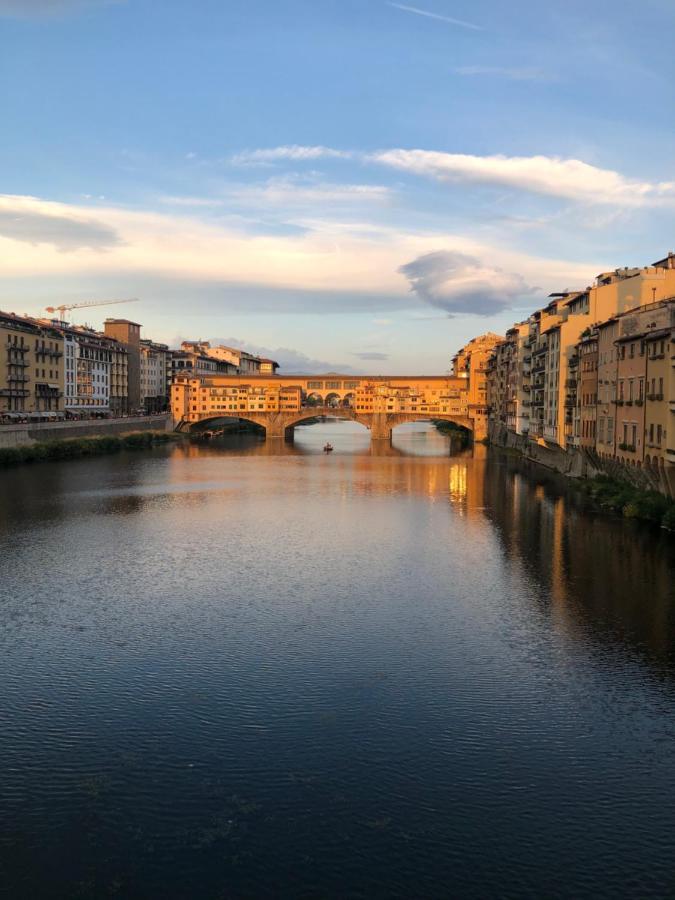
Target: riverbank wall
point(582, 463)
point(26, 435)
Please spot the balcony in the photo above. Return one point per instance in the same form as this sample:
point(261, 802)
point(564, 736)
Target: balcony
point(538, 368)
point(13, 392)
point(24, 379)
point(23, 348)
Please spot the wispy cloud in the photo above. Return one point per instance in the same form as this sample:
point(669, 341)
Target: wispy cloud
point(552, 176)
point(524, 73)
point(290, 361)
point(431, 15)
point(204, 202)
point(294, 152)
point(370, 354)
point(28, 9)
point(26, 220)
point(459, 283)
point(570, 179)
point(292, 192)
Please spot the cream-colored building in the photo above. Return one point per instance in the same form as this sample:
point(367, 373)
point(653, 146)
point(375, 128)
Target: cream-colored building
point(154, 376)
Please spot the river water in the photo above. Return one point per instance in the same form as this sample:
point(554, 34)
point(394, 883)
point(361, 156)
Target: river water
point(240, 670)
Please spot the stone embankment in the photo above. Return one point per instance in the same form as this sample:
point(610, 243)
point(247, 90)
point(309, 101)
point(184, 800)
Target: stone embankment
point(28, 434)
point(581, 463)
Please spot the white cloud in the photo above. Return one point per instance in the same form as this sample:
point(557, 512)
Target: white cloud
point(294, 152)
point(331, 265)
point(552, 176)
point(431, 15)
point(570, 179)
point(459, 283)
point(291, 192)
point(205, 202)
point(524, 73)
point(26, 9)
point(27, 219)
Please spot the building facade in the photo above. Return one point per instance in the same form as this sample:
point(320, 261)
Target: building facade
point(128, 334)
point(32, 374)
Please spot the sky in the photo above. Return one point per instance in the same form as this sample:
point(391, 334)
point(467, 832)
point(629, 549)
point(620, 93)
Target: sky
point(354, 185)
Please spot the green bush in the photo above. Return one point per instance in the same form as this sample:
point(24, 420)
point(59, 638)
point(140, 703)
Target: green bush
point(10, 456)
point(633, 503)
point(72, 448)
point(668, 520)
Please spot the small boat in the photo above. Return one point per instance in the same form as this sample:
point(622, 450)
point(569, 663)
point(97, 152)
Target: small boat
point(328, 448)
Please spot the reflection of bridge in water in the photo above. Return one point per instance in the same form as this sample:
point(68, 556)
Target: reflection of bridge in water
point(279, 403)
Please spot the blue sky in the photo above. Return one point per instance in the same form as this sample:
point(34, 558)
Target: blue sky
point(354, 184)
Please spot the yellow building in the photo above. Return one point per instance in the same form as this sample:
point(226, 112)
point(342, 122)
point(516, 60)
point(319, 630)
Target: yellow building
point(471, 363)
point(195, 399)
point(31, 375)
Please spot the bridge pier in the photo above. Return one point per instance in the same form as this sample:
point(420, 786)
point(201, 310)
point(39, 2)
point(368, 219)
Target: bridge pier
point(380, 427)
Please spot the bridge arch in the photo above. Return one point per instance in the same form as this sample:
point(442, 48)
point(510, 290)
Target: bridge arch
point(215, 422)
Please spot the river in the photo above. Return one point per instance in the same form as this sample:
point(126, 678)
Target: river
point(240, 670)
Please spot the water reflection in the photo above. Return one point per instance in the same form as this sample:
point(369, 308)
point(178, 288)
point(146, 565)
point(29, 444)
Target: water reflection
point(389, 671)
point(603, 578)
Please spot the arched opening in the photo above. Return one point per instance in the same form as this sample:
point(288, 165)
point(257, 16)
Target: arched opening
point(425, 436)
point(218, 426)
point(333, 400)
point(339, 428)
point(349, 400)
point(314, 399)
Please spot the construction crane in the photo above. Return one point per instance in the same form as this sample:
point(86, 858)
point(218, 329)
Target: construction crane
point(65, 307)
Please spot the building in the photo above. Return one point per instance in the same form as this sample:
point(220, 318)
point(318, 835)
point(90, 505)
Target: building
point(119, 379)
point(154, 376)
point(587, 393)
point(234, 361)
point(607, 368)
point(32, 373)
point(471, 363)
point(195, 399)
point(129, 335)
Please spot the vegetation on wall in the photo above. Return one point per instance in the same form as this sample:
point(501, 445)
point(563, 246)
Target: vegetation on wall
point(74, 448)
point(461, 437)
point(624, 499)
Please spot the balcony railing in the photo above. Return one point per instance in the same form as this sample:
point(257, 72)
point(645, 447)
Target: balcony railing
point(13, 392)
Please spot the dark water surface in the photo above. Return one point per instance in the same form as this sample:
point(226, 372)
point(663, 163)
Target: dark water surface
point(246, 671)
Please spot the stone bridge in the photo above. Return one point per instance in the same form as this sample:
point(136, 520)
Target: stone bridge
point(380, 424)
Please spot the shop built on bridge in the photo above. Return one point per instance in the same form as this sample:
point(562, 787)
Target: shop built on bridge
point(277, 403)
